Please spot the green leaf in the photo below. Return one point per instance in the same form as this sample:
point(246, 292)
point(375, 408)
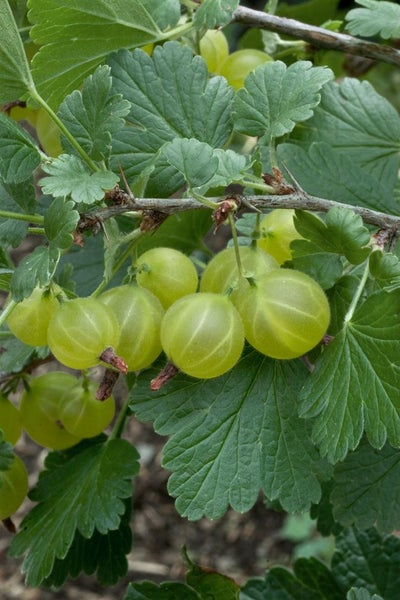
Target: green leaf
point(70, 177)
point(231, 168)
point(326, 172)
point(103, 554)
point(369, 560)
point(276, 97)
point(342, 232)
point(227, 443)
point(210, 584)
point(171, 97)
point(362, 125)
point(385, 268)
point(214, 13)
point(81, 35)
point(171, 590)
point(16, 355)
point(355, 383)
point(16, 198)
point(194, 159)
point(19, 155)
point(323, 267)
point(36, 269)
point(94, 114)
point(377, 18)
point(311, 580)
point(366, 489)
point(85, 494)
point(60, 220)
point(15, 76)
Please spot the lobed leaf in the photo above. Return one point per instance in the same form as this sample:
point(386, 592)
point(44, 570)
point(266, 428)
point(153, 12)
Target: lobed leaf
point(367, 559)
point(69, 35)
point(232, 436)
point(362, 125)
point(68, 176)
point(214, 13)
point(276, 97)
point(36, 269)
point(16, 355)
point(171, 97)
point(377, 18)
point(326, 172)
point(94, 114)
point(342, 232)
point(15, 76)
point(361, 594)
point(19, 154)
point(60, 221)
point(172, 590)
point(311, 580)
point(354, 387)
point(85, 494)
point(366, 489)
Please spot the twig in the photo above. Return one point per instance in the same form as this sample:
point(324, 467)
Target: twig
point(317, 36)
point(297, 199)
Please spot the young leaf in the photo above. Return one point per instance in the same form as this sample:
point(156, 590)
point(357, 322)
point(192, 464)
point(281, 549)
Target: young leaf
point(366, 489)
point(342, 232)
point(85, 494)
point(194, 159)
point(385, 268)
point(94, 114)
point(227, 443)
point(60, 220)
point(276, 97)
point(146, 590)
point(355, 383)
point(377, 18)
point(71, 47)
point(70, 177)
point(211, 584)
point(36, 269)
point(362, 125)
point(214, 13)
point(326, 172)
point(369, 560)
point(311, 580)
point(15, 76)
point(171, 97)
point(19, 154)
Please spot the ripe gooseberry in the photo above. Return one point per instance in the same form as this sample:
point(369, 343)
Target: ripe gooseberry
point(202, 334)
point(222, 271)
point(13, 488)
point(167, 273)
point(82, 414)
point(285, 314)
point(41, 406)
point(278, 231)
point(30, 318)
point(139, 314)
point(10, 420)
point(80, 331)
point(240, 63)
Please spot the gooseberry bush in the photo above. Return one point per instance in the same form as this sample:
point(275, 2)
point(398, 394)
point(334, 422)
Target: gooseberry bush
point(132, 133)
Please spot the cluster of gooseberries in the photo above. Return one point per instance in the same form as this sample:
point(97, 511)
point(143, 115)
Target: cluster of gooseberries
point(244, 294)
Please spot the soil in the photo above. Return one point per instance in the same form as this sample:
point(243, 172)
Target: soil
point(239, 545)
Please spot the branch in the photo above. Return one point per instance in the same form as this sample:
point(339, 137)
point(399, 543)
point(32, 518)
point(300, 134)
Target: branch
point(298, 199)
point(317, 36)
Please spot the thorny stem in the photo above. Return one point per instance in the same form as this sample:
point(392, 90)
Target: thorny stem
point(317, 36)
point(297, 199)
point(357, 294)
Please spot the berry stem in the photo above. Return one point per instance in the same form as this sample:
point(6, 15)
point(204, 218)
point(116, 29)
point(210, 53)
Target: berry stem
point(235, 244)
point(120, 421)
point(357, 295)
